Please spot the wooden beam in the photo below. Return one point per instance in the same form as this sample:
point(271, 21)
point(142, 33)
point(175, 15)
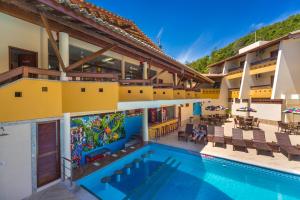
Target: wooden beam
point(157, 75)
point(53, 43)
point(90, 57)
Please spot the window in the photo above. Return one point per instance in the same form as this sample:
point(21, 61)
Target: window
point(274, 54)
point(22, 57)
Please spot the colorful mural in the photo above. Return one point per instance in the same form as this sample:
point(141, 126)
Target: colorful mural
point(91, 132)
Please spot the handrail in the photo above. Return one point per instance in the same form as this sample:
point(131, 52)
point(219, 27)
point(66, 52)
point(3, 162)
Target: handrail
point(163, 85)
point(113, 76)
point(261, 87)
point(64, 167)
point(234, 69)
point(10, 74)
point(263, 60)
point(135, 81)
point(25, 71)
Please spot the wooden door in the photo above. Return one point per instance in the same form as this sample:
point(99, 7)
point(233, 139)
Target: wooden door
point(48, 152)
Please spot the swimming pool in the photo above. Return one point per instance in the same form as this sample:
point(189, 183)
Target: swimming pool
point(171, 173)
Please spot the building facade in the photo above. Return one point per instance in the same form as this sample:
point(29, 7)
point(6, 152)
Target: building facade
point(264, 76)
point(68, 62)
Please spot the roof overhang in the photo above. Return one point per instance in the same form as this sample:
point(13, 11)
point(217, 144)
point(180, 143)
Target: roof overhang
point(88, 29)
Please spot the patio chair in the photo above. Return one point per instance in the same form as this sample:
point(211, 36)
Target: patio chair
point(236, 123)
point(210, 130)
point(237, 139)
point(284, 127)
point(256, 123)
point(260, 143)
point(285, 145)
point(219, 136)
point(242, 123)
point(184, 135)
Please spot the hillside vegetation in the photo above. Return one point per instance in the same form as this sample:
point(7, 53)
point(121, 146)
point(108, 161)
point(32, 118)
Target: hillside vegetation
point(269, 32)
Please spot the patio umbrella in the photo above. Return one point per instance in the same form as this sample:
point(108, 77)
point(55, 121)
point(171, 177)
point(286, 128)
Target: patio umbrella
point(215, 108)
point(292, 111)
point(246, 109)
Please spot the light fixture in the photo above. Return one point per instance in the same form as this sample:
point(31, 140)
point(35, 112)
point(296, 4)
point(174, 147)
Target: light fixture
point(107, 59)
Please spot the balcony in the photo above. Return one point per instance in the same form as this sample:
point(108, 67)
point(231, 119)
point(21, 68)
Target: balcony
point(234, 93)
point(135, 90)
point(163, 93)
point(234, 73)
point(263, 66)
point(209, 93)
point(179, 94)
point(189, 94)
point(261, 92)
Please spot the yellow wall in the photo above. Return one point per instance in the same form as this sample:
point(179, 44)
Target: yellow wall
point(33, 104)
point(209, 93)
point(135, 93)
point(233, 94)
point(259, 69)
point(179, 94)
point(189, 94)
point(261, 93)
point(234, 75)
point(91, 100)
point(163, 94)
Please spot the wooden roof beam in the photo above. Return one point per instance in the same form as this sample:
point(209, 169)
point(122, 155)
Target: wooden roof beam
point(53, 43)
point(90, 57)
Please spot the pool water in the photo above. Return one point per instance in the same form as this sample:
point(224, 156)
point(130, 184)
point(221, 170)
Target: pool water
point(172, 173)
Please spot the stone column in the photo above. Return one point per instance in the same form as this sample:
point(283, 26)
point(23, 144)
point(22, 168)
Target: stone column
point(145, 126)
point(64, 51)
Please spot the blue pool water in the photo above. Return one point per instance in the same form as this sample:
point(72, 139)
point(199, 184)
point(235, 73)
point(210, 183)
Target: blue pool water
point(171, 173)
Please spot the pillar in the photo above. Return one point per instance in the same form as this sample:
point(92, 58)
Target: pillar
point(123, 69)
point(175, 79)
point(64, 51)
point(145, 125)
point(145, 70)
point(67, 142)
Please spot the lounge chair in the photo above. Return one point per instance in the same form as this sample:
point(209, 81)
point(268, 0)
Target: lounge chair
point(237, 139)
point(285, 145)
point(260, 143)
point(219, 136)
point(185, 134)
point(203, 136)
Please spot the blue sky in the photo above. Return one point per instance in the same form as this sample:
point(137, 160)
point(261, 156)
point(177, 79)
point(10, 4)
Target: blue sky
point(190, 29)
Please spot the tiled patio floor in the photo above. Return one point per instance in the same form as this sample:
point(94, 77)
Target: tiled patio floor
point(279, 161)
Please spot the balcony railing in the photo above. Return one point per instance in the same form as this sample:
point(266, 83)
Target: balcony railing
point(262, 91)
point(234, 93)
point(264, 60)
point(234, 70)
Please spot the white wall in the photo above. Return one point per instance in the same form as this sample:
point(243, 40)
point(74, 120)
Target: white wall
point(186, 112)
point(15, 159)
point(287, 81)
point(235, 106)
point(267, 111)
point(246, 78)
point(18, 33)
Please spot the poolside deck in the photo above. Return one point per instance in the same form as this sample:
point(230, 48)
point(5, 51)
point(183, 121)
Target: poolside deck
point(278, 162)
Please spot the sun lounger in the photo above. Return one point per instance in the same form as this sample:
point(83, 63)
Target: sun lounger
point(237, 139)
point(259, 142)
point(285, 145)
point(219, 136)
point(185, 134)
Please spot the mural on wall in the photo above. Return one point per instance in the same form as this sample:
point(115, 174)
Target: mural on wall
point(91, 132)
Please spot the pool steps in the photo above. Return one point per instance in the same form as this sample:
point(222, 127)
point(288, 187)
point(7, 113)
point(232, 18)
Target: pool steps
point(158, 177)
